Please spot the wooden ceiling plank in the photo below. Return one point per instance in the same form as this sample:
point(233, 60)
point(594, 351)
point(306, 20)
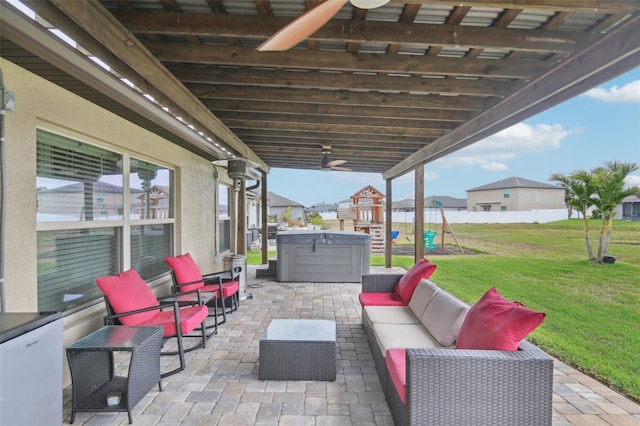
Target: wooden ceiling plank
point(212, 74)
point(307, 135)
point(263, 7)
point(363, 62)
point(387, 100)
point(388, 145)
point(292, 119)
point(307, 109)
point(216, 6)
point(587, 6)
point(409, 13)
point(336, 128)
point(338, 150)
point(93, 18)
point(403, 33)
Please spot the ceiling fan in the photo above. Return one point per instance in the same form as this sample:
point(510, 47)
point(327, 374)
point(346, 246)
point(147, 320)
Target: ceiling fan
point(310, 21)
point(328, 164)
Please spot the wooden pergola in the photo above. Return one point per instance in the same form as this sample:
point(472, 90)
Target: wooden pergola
point(390, 89)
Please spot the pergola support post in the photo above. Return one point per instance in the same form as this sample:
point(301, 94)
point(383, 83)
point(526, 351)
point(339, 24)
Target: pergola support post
point(418, 221)
point(388, 241)
point(265, 202)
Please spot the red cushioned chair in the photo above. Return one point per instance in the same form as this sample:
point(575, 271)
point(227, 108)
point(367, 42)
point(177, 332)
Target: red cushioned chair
point(130, 301)
point(186, 276)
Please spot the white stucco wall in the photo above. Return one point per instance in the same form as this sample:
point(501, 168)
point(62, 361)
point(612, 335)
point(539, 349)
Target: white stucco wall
point(40, 104)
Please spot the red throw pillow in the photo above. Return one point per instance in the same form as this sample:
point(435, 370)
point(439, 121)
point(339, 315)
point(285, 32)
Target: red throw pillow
point(186, 271)
point(496, 323)
point(409, 281)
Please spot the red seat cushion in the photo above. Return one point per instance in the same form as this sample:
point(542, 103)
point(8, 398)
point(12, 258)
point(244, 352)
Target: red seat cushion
point(396, 361)
point(190, 318)
point(230, 287)
point(496, 323)
point(211, 288)
point(405, 287)
point(185, 270)
point(381, 299)
point(127, 291)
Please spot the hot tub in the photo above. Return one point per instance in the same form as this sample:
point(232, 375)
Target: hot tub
point(322, 256)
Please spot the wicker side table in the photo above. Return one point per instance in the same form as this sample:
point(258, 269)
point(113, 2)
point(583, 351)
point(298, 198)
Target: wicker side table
point(93, 377)
point(298, 349)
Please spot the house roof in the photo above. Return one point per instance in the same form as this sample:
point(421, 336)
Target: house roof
point(389, 88)
point(276, 200)
point(447, 202)
point(368, 192)
point(98, 186)
point(514, 182)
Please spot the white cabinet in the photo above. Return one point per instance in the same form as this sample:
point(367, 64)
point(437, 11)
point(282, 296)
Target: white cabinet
point(31, 369)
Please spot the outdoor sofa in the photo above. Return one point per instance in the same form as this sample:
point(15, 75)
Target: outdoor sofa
point(428, 381)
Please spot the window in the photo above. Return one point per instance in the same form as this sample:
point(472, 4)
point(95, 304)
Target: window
point(224, 219)
point(151, 214)
point(82, 223)
point(507, 193)
point(503, 208)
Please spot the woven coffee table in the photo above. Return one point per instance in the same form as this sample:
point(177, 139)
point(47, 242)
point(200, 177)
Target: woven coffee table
point(298, 349)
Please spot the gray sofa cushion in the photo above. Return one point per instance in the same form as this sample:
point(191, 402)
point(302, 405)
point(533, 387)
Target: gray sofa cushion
point(403, 336)
point(422, 296)
point(443, 317)
point(390, 315)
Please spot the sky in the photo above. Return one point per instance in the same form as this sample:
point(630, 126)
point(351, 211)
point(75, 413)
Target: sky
point(600, 125)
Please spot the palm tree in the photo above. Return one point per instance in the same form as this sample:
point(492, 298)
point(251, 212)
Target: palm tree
point(609, 190)
point(578, 188)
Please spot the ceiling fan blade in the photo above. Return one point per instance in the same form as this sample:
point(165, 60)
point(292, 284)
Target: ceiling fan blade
point(302, 27)
point(341, 169)
point(335, 163)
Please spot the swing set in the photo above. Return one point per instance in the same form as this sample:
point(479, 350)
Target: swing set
point(429, 234)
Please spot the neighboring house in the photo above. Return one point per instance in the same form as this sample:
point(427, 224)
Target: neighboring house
point(403, 210)
point(629, 209)
point(447, 203)
point(64, 203)
point(278, 204)
point(253, 209)
point(326, 211)
point(515, 194)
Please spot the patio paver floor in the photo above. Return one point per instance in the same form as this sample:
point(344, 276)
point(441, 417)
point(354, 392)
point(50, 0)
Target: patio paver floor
point(221, 387)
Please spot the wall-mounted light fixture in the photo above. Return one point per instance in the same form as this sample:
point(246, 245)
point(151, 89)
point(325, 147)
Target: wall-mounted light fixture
point(7, 100)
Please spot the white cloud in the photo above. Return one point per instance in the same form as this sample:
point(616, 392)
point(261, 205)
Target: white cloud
point(629, 93)
point(632, 180)
point(493, 166)
point(431, 176)
point(493, 152)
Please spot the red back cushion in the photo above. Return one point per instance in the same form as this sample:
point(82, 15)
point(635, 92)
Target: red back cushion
point(496, 323)
point(185, 270)
point(128, 292)
point(410, 280)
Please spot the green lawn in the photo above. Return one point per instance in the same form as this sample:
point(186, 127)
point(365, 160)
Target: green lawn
point(593, 310)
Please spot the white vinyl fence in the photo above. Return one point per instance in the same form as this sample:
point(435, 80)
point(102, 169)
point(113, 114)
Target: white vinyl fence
point(532, 216)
